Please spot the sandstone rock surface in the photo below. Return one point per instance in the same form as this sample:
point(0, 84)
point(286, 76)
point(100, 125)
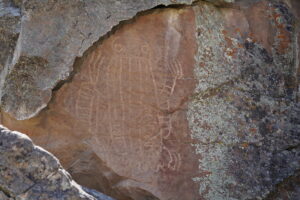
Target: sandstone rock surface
point(128, 102)
point(29, 172)
point(190, 102)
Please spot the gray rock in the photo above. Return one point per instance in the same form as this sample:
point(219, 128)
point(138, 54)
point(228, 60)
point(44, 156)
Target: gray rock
point(3, 196)
point(96, 194)
point(9, 32)
point(29, 172)
point(52, 35)
point(245, 112)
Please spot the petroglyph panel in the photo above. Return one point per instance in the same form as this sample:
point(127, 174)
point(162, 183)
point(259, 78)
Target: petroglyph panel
point(131, 94)
point(126, 107)
point(119, 125)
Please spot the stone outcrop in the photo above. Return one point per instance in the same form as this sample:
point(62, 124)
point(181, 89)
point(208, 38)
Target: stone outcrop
point(245, 111)
point(29, 172)
point(49, 36)
point(185, 102)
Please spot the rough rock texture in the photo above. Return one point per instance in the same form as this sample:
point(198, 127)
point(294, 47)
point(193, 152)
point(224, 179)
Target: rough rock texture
point(128, 104)
point(51, 35)
point(130, 95)
point(9, 31)
point(190, 102)
point(29, 172)
point(245, 112)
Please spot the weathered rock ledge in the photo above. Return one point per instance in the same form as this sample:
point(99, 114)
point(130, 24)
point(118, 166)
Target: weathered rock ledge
point(28, 172)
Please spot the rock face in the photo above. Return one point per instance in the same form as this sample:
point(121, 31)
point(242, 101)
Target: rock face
point(189, 102)
point(129, 100)
point(29, 172)
point(245, 112)
point(50, 35)
point(130, 96)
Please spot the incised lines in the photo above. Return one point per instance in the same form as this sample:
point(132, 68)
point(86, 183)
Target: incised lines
point(124, 99)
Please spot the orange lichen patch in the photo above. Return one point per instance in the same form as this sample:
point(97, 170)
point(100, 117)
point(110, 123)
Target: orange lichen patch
point(232, 52)
point(206, 126)
point(240, 45)
point(205, 173)
point(276, 16)
point(238, 31)
point(245, 145)
point(253, 130)
point(252, 37)
point(224, 32)
point(283, 36)
point(201, 64)
point(280, 26)
point(284, 42)
point(228, 41)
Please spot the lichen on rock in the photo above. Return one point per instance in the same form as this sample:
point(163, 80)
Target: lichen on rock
point(245, 108)
point(185, 102)
point(29, 172)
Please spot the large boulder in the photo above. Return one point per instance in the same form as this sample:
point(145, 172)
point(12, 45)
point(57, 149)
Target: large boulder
point(29, 172)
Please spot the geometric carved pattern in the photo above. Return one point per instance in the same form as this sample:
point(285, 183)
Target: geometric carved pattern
point(116, 88)
point(131, 94)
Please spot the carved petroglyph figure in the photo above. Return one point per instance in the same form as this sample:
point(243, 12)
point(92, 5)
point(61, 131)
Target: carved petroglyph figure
point(122, 113)
point(125, 97)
